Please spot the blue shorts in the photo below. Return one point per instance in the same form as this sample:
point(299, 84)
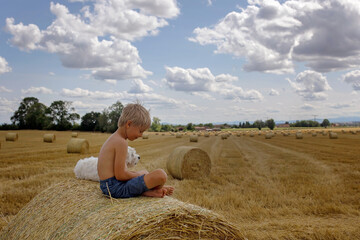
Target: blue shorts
point(124, 189)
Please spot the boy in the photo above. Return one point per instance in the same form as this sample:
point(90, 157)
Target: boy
point(112, 170)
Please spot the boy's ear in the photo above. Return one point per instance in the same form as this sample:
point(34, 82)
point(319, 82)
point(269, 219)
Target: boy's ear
point(128, 123)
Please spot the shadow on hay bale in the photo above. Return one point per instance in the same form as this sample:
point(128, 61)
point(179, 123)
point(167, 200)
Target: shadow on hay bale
point(76, 209)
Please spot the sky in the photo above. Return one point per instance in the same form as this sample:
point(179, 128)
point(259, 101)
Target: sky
point(187, 61)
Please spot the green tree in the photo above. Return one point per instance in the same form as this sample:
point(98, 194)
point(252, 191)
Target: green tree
point(114, 111)
point(59, 113)
point(36, 117)
point(190, 127)
point(259, 124)
point(90, 122)
point(19, 117)
point(270, 123)
point(155, 125)
point(166, 128)
point(325, 123)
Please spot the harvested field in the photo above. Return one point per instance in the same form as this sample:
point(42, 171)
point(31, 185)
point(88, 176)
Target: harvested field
point(278, 188)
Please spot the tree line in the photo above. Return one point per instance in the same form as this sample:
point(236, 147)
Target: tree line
point(61, 116)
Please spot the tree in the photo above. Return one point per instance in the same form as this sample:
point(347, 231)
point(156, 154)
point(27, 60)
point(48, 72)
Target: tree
point(19, 117)
point(325, 123)
point(114, 111)
point(155, 125)
point(259, 124)
point(190, 127)
point(90, 121)
point(59, 113)
point(36, 117)
point(270, 123)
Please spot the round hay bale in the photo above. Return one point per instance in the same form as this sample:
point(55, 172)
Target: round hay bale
point(252, 134)
point(74, 134)
point(314, 134)
point(299, 135)
point(49, 137)
point(76, 209)
point(207, 135)
point(224, 136)
point(145, 136)
point(78, 145)
point(193, 138)
point(333, 135)
point(268, 136)
point(188, 162)
point(178, 135)
point(12, 137)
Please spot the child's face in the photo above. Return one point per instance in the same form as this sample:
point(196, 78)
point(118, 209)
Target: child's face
point(134, 132)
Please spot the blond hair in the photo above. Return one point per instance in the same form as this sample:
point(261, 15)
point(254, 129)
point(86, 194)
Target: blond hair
point(137, 114)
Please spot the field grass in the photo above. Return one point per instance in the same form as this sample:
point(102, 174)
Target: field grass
point(279, 188)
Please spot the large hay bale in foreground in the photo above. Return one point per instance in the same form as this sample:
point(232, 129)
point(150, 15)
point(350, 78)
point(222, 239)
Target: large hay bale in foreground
point(49, 137)
point(76, 209)
point(188, 162)
point(78, 145)
point(11, 137)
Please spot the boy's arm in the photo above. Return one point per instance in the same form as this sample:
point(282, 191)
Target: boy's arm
point(120, 170)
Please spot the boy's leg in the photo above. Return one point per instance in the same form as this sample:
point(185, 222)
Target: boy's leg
point(155, 181)
point(155, 178)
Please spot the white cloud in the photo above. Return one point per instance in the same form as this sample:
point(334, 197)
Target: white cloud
point(202, 80)
point(98, 38)
point(310, 85)
point(37, 90)
point(150, 98)
point(4, 89)
point(51, 73)
point(274, 92)
point(273, 35)
point(340, 105)
point(4, 66)
point(353, 78)
point(88, 106)
point(7, 106)
point(307, 106)
point(139, 87)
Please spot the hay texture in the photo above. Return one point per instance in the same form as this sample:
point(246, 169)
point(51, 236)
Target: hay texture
point(76, 209)
point(268, 135)
point(224, 136)
point(49, 137)
point(299, 135)
point(74, 135)
point(188, 162)
point(78, 145)
point(12, 137)
point(145, 136)
point(333, 135)
point(193, 138)
point(178, 135)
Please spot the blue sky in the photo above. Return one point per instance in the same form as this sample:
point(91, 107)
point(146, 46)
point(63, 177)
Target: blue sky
point(187, 61)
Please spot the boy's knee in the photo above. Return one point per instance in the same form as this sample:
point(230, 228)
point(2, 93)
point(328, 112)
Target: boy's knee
point(161, 175)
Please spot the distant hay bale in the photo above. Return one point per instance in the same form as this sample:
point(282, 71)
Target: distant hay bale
point(178, 135)
point(145, 136)
point(12, 137)
point(252, 134)
point(238, 134)
point(76, 209)
point(193, 138)
point(49, 137)
point(78, 145)
point(74, 134)
point(268, 136)
point(299, 135)
point(314, 134)
point(353, 132)
point(333, 135)
point(207, 135)
point(216, 134)
point(224, 136)
point(188, 162)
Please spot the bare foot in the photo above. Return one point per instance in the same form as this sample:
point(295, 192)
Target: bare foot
point(160, 193)
point(169, 189)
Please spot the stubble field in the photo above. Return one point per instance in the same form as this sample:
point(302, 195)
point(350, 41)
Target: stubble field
point(279, 188)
